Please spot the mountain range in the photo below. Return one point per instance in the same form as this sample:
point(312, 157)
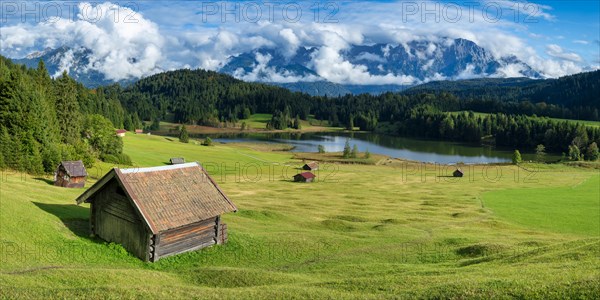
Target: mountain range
point(418, 61)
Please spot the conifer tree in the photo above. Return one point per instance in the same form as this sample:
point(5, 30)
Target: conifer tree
point(67, 109)
point(183, 135)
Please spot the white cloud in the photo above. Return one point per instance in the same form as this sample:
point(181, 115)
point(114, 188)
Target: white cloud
point(119, 50)
point(370, 57)
point(510, 70)
point(125, 50)
point(468, 73)
point(262, 72)
point(558, 52)
point(581, 42)
point(330, 65)
point(65, 63)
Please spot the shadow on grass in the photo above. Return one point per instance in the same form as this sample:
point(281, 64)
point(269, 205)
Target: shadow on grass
point(46, 180)
point(74, 217)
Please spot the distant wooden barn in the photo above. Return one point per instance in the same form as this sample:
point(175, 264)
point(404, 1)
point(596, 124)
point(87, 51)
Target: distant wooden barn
point(160, 211)
point(70, 174)
point(139, 131)
point(121, 132)
point(458, 173)
point(304, 177)
point(177, 160)
point(311, 166)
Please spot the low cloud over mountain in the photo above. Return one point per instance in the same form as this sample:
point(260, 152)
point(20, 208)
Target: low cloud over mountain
point(368, 45)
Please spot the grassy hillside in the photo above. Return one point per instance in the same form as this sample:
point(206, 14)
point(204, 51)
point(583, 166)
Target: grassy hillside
point(584, 122)
point(361, 231)
point(568, 209)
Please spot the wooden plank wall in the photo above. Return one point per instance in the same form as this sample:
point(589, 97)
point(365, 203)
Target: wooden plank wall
point(187, 238)
point(115, 220)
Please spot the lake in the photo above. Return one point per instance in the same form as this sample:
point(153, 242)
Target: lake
point(397, 147)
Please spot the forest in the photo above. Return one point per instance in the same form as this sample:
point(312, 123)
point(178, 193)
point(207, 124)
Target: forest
point(45, 120)
point(569, 97)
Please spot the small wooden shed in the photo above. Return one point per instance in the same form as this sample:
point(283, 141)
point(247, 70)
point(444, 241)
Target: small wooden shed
point(70, 174)
point(177, 160)
point(160, 211)
point(458, 173)
point(304, 177)
point(139, 131)
point(311, 166)
point(121, 132)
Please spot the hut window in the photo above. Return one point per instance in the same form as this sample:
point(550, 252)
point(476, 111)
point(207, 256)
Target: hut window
point(120, 191)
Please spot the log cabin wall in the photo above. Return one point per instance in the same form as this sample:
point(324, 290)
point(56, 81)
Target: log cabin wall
point(186, 238)
point(115, 220)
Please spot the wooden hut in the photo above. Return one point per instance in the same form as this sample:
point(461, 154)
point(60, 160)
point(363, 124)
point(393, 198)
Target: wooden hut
point(177, 160)
point(160, 211)
point(304, 177)
point(139, 131)
point(458, 173)
point(311, 166)
point(70, 174)
point(120, 132)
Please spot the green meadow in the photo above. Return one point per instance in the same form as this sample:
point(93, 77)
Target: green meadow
point(399, 230)
point(584, 122)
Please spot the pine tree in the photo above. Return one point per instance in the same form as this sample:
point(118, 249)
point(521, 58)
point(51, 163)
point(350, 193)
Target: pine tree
point(516, 159)
point(350, 124)
point(574, 153)
point(321, 149)
point(2, 165)
point(128, 123)
point(207, 142)
point(354, 153)
point(246, 114)
point(67, 109)
point(347, 149)
point(592, 152)
point(137, 123)
point(183, 135)
point(540, 153)
point(297, 124)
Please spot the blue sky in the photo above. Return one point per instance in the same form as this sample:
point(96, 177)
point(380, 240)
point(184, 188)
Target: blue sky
point(554, 37)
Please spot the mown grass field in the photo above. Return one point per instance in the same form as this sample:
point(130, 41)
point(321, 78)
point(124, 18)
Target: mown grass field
point(361, 231)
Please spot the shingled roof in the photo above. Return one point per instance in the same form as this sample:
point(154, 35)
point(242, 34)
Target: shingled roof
point(74, 168)
point(168, 196)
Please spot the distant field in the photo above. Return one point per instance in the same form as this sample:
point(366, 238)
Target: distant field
point(256, 122)
point(571, 209)
point(404, 230)
point(587, 123)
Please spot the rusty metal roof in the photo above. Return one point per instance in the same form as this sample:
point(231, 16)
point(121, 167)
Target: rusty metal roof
point(169, 196)
point(74, 168)
point(306, 175)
